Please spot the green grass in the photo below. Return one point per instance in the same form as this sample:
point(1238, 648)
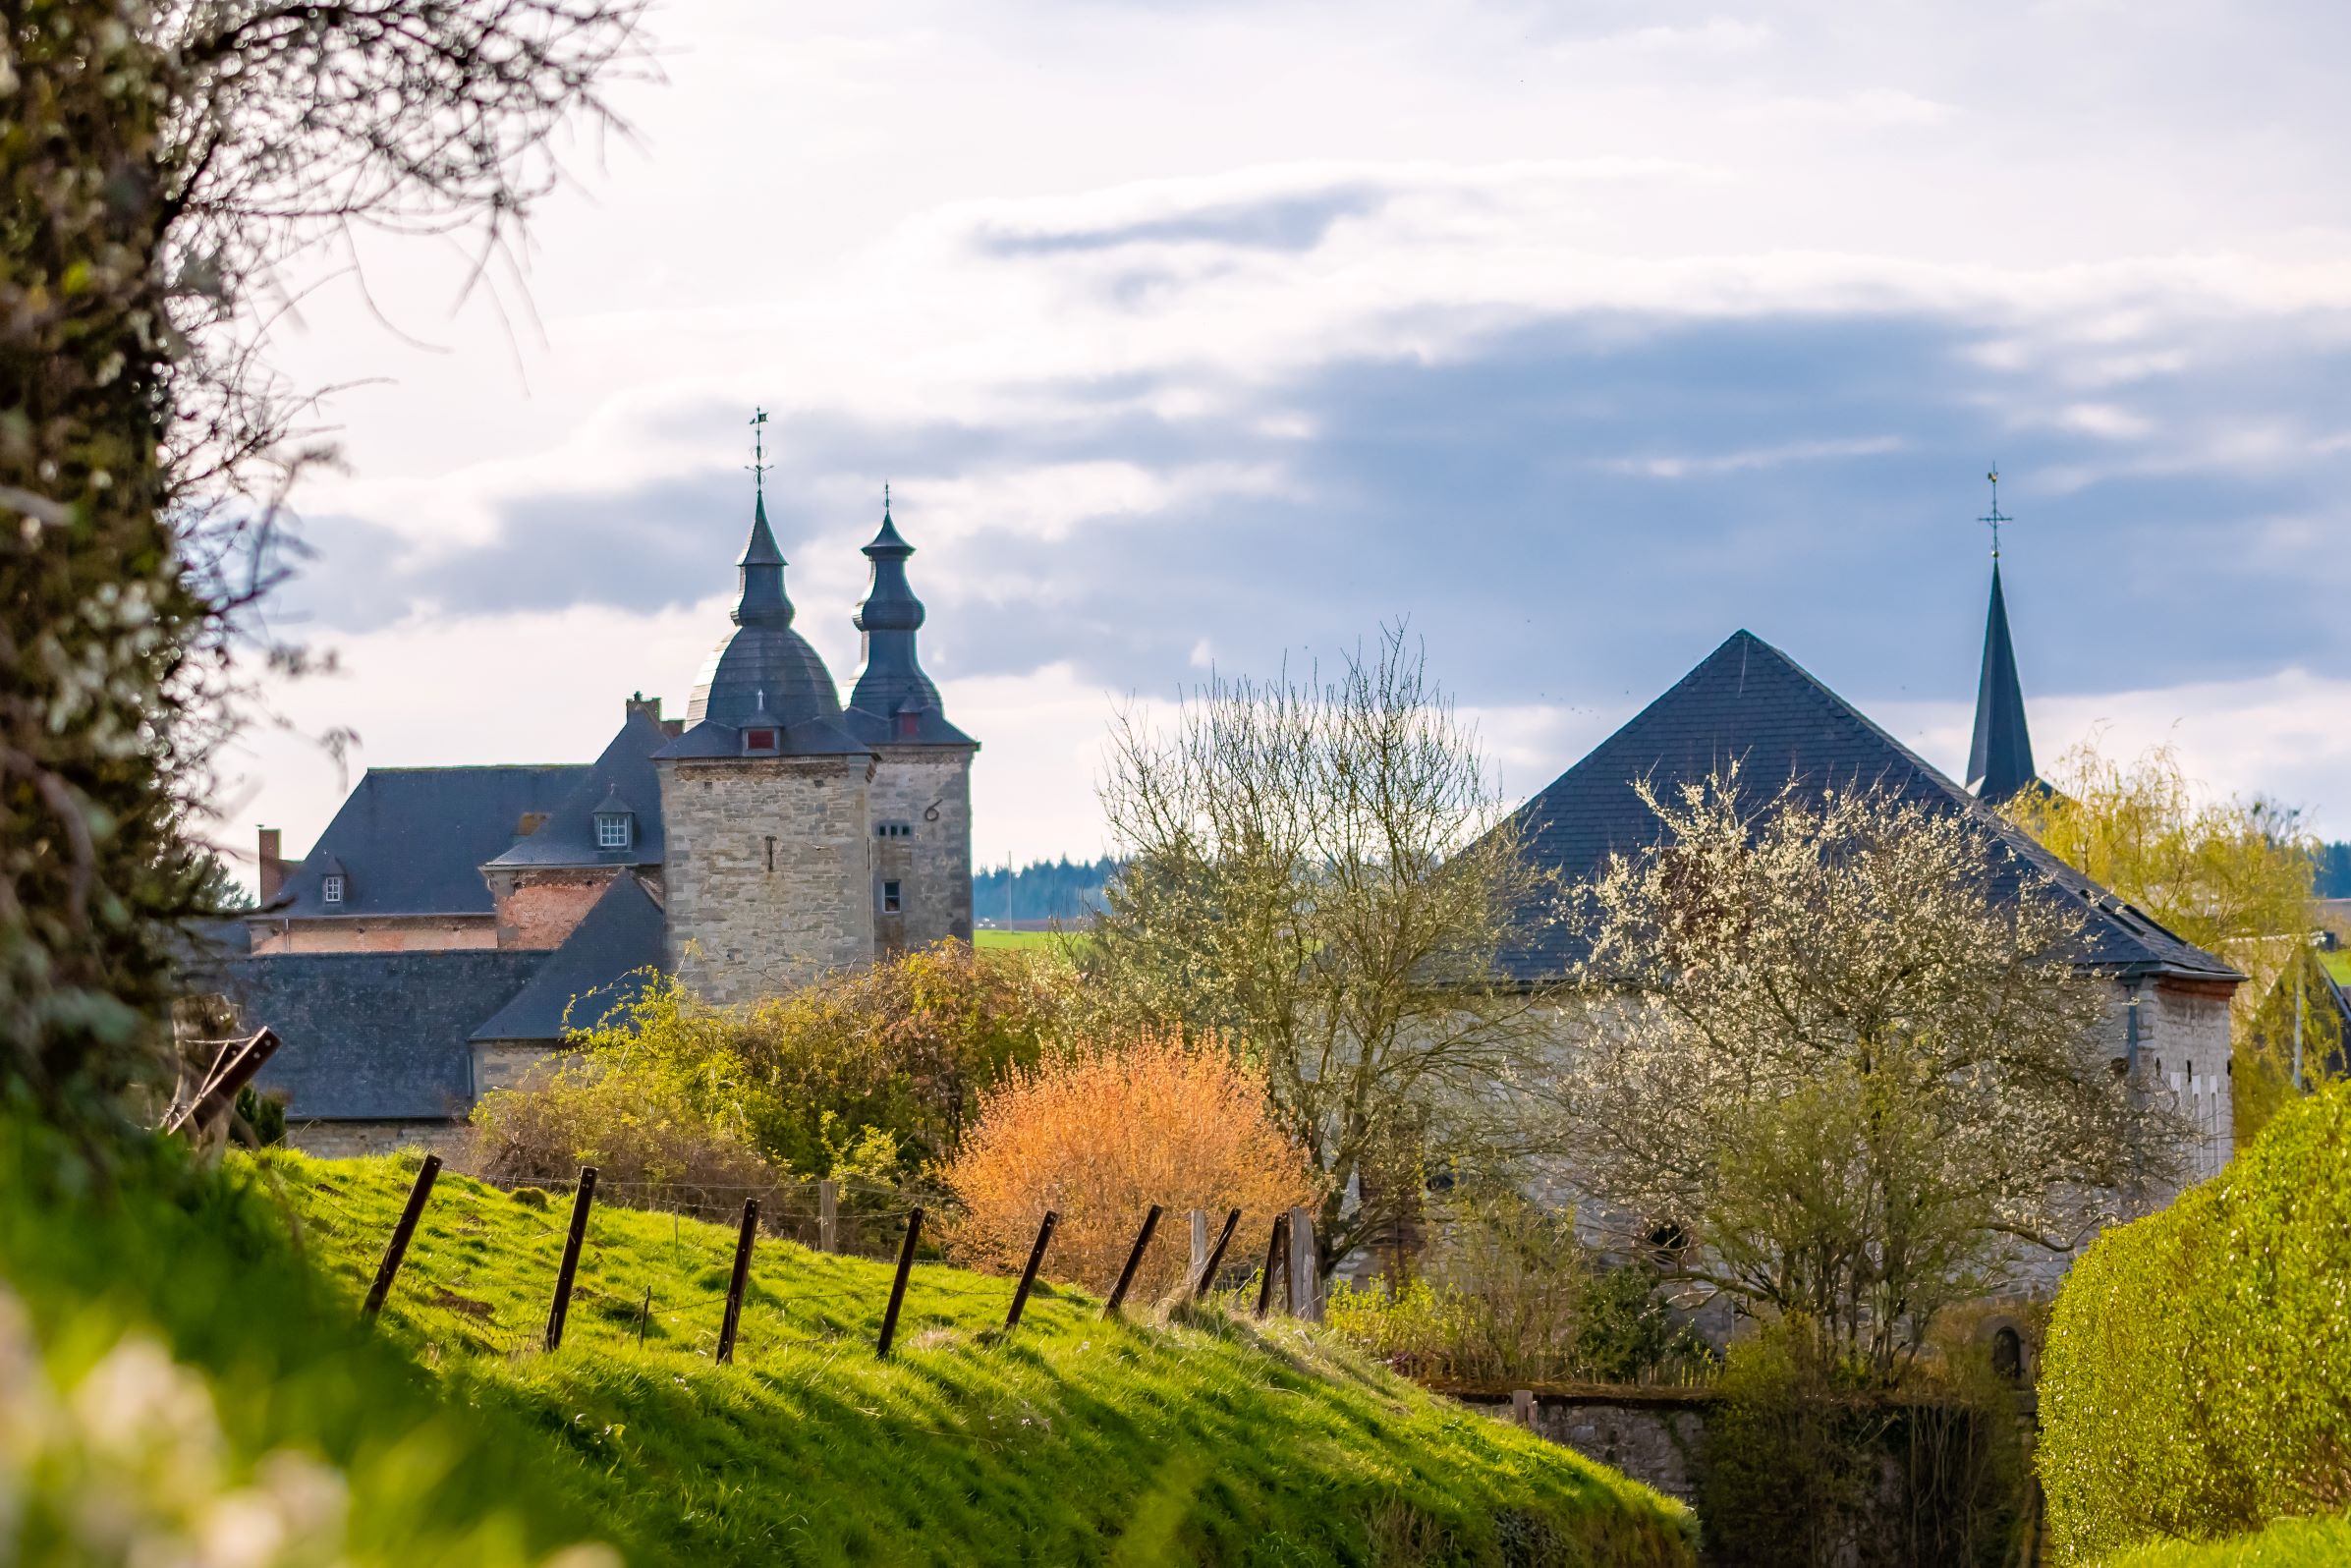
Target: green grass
point(1203, 1438)
point(2339, 964)
point(2287, 1543)
point(986, 938)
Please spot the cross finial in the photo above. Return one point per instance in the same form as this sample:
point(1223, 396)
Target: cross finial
point(1996, 517)
point(759, 463)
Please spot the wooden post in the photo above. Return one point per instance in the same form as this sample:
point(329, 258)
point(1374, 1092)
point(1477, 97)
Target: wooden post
point(1199, 1242)
point(1208, 1271)
point(397, 1248)
point(742, 1275)
point(1126, 1276)
point(1037, 1256)
point(1522, 1406)
point(906, 1264)
point(1275, 1249)
point(1305, 1269)
point(829, 1215)
point(571, 1256)
point(645, 1315)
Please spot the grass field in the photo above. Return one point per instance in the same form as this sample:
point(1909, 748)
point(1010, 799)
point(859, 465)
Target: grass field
point(1193, 1437)
point(2339, 964)
point(986, 938)
point(2287, 1543)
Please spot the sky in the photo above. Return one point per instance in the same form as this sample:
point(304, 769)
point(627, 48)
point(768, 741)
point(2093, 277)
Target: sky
point(1205, 338)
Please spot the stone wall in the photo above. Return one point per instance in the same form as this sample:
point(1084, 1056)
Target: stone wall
point(540, 907)
point(374, 934)
point(351, 1140)
point(507, 1064)
point(769, 873)
point(1654, 1436)
point(928, 788)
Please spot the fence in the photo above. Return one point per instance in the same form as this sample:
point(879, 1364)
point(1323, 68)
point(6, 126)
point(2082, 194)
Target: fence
point(840, 1218)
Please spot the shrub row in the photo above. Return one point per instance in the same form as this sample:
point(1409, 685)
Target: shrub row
point(2197, 1378)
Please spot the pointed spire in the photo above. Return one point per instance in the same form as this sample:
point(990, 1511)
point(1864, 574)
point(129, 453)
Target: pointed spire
point(891, 687)
point(2001, 762)
point(761, 574)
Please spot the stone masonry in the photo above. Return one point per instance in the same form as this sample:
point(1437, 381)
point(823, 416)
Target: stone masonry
point(769, 871)
point(927, 790)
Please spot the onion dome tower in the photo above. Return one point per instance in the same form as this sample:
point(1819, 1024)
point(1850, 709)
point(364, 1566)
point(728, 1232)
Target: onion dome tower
point(893, 702)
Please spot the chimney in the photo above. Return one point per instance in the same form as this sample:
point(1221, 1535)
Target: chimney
point(639, 702)
point(272, 868)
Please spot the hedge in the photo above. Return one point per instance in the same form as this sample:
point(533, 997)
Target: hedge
point(2196, 1381)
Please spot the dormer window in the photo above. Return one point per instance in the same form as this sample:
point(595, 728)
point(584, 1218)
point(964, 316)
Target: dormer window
point(612, 830)
point(330, 889)
point(759, 741)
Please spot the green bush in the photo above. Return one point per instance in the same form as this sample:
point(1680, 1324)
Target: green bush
point(2197, 1378)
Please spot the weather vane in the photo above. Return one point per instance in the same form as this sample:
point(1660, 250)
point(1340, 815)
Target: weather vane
point(1996, 517)
point(759, 463)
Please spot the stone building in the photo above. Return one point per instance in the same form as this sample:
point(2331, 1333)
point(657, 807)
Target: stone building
point(452, 923)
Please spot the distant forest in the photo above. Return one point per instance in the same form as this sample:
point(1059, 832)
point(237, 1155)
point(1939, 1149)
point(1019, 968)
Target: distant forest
point(1042, 890)
point(2334, 870)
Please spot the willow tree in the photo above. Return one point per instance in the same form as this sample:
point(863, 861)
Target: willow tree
point(1840, 1062)
point(163, 162)
point(1323, 871)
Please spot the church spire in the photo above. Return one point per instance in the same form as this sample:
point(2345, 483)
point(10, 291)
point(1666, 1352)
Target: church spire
point(891, 688)
point(2000, 762)
point(760, 568)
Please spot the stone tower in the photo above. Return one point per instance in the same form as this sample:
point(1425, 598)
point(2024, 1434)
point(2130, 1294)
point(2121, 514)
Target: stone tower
point(769, 879)
point(922, 794)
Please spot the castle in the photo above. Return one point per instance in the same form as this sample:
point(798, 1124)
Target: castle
point(452, 923)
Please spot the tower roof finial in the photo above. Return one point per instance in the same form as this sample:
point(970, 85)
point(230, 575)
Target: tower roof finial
point(1996, 517)
point(759, 463)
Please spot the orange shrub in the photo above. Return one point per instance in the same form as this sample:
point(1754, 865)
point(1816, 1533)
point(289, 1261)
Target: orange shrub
point(1102, 1133)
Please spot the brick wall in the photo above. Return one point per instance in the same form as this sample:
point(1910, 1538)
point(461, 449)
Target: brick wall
point(769, 874)
point(540, 907)
point(374, 934)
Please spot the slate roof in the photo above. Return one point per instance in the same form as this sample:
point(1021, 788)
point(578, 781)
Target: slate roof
point(894, 701)
point(599, 962)
point(1748, 700)
point(1999, 764)
point(764, 672)
point(626, 769)
point(368, 1036)
point(413, 840)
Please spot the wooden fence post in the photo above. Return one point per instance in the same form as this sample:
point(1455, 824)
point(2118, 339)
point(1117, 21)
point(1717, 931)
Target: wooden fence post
point(742, 1275)
point(1126, 1276)
point(645, 1315)
point(571, 1256)
point(1037, 1256)
point(1273, 1257)
point(1208, 1271)
point(906, 1264)
point(1305, 1270)
point(829, 1215)
point(397, 1248)
point(1199, 1242)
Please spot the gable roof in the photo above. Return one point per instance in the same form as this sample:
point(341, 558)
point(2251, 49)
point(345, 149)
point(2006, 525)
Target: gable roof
point(600, 964)
point(1750, 702)
point(625, 771)
point(413, 840)
point(369, 1036)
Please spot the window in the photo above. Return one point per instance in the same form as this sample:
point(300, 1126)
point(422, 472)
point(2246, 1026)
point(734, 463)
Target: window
point(889, 898)
point(758, 740)
point(330, 889)
point(893, 830)
point(612, 830)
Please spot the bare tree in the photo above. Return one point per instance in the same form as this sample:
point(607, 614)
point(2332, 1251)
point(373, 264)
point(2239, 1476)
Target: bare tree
point(1839, 1060)
point(1326, 873)
point(161, 160)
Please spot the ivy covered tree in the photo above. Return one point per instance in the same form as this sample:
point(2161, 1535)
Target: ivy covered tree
point(160, 157)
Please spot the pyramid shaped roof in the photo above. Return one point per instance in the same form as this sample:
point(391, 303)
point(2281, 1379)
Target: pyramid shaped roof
point(1751, 703)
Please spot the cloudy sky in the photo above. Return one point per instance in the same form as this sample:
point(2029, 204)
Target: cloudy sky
point(1197, 336)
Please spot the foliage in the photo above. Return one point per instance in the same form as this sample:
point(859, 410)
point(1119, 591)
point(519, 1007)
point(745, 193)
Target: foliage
point(1099, 1135)
point(165, 1351)
point(1838, 1064)
point(633, 1118)
point(1200, 1438)
point(1809, 1461)
point(1614, 1330)
point(2236, 877)
point(1326, 873)
point(2289, 1036)
point(159, 162)
point(2196, 1381)
point(260, 1119)
point(873, 1072)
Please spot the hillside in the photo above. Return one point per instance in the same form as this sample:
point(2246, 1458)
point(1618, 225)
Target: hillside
point(1073, 1440)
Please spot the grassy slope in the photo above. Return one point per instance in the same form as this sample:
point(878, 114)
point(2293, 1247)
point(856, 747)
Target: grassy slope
point(1074, 1441)
point(2287, 1543)
point(2339, 964)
